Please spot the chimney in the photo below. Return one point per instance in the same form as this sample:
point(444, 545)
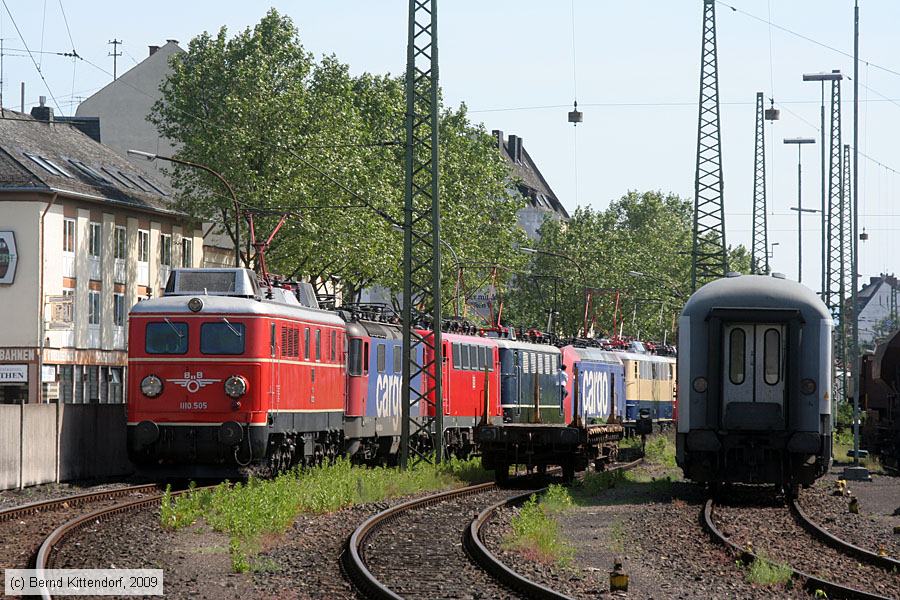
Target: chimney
point(42, 113)
point(511, 147)
point(519, 143)
point(171, 41)
point(498, 138)
point(153, 50)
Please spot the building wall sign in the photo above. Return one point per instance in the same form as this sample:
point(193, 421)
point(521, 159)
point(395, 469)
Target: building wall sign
point(18, 355)
point(8, 257)
point(13, 374)
point(61, 311)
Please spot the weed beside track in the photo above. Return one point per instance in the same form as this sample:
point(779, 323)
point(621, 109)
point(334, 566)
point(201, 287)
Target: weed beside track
point(248, 512)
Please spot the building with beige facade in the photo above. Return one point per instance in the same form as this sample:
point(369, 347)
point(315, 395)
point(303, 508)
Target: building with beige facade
point(84, 235)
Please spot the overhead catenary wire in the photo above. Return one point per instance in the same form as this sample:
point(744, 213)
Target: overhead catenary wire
point(30, 55)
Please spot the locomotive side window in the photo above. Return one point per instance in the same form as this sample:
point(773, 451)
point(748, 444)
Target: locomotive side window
point(333, 344)
point(473, 358)
point(166, 338)
point(222, 338)
point(380, 357)
point(318, 344)
point(365, 361)
point(772, 356)
point(306, 343)
point(737, 342)
point(354, 358)
point(464, 357)
point(455, 356)
point(398, 359)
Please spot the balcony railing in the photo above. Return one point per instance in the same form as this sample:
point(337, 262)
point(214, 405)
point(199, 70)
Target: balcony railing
point(94, 263)
point(68, 264)
point(120, 270)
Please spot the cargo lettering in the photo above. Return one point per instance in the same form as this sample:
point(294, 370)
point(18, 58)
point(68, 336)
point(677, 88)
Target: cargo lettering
point(595, 393)
point(387, 397)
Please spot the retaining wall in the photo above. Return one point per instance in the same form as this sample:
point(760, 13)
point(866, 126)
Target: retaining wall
point(45, 443)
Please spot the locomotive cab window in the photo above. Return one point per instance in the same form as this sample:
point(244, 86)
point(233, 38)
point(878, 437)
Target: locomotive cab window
point(333, 344)
point(772, 356)
point(318, 344)
point(166, 338)
point(354, 357)
point(222, 338)
point(455, 356)
point(737, 342)
point(306, 343)
point(464, 357)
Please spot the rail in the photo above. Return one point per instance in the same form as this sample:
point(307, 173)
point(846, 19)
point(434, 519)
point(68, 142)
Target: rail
point(484, 558)
point(813, 583)
point(16, 512)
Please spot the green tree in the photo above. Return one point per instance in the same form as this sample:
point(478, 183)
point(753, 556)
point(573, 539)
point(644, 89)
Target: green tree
point(637, 250)
point(302, 136)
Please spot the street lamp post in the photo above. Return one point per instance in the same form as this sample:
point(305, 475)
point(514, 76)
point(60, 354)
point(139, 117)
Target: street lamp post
point(237, 208)
point(799, 142)
point(571, 260)
point(822, 78)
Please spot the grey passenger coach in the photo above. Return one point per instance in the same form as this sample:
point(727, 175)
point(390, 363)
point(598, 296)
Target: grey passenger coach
point(754, 383)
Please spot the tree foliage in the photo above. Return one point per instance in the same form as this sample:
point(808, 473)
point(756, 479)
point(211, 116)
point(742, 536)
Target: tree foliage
point(639, 248)
point(299, 135)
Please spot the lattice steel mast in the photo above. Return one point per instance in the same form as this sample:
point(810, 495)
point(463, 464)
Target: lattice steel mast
point(709, 260)
point(847, 280)
point(421, 400)
point(759, 258)
point(835, 261)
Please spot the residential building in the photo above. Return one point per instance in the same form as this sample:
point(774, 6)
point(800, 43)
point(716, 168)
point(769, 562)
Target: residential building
point(877, 306)
point(84, 236)
point(542, 202)
point(122, 108)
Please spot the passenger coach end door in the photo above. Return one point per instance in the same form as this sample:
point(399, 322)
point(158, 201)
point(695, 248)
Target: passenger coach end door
point(753, 374)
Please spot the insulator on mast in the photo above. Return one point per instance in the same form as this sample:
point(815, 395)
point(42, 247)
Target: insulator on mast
point(575, 115)
point(772, 113)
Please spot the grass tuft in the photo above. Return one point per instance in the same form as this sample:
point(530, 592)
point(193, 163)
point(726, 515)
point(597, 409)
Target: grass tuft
point(246, 512)
point(660, 451)
point(765, 572)
point(535, 530)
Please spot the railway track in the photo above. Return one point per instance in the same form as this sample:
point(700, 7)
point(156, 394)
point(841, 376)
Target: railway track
point(44, 556)
point(23, 528)
point(840, 569)
point(425, 547)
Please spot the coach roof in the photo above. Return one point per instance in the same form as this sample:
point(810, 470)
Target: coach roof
point(756, 291)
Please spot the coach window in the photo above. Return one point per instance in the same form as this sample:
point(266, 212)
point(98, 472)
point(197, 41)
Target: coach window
point(772, 353)
point(455, 356)
point(222, 338)
point(737, 341)
point(398, 359)
point(166, 338)
point(318, 344)
point(380, 357)
point(464, 357)
point(306, 343)
point(333, 344)
point(354, 358)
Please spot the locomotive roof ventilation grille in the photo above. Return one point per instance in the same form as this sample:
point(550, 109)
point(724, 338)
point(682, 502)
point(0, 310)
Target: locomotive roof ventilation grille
point(240, 283)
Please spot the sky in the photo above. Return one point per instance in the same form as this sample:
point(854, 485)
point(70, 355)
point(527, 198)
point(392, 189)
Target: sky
point(519, 64)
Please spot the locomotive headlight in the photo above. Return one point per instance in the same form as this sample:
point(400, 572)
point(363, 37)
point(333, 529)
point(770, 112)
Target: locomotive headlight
point(235, 386)
point(151, 386)
point(807, 386)
point(700, 385)
point(195, 304)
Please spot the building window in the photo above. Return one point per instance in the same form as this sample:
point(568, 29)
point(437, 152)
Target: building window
point(95, 239)
point(187, 253)
point(165, 249)
point(143, 245)
point(121, 243)
point(119, 310)
point(69, 235)
point(93, 308)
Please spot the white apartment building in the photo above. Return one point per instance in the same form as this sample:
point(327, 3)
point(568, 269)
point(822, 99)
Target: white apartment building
point(84, 235)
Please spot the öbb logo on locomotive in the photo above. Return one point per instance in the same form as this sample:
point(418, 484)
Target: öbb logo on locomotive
point(193, 382)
